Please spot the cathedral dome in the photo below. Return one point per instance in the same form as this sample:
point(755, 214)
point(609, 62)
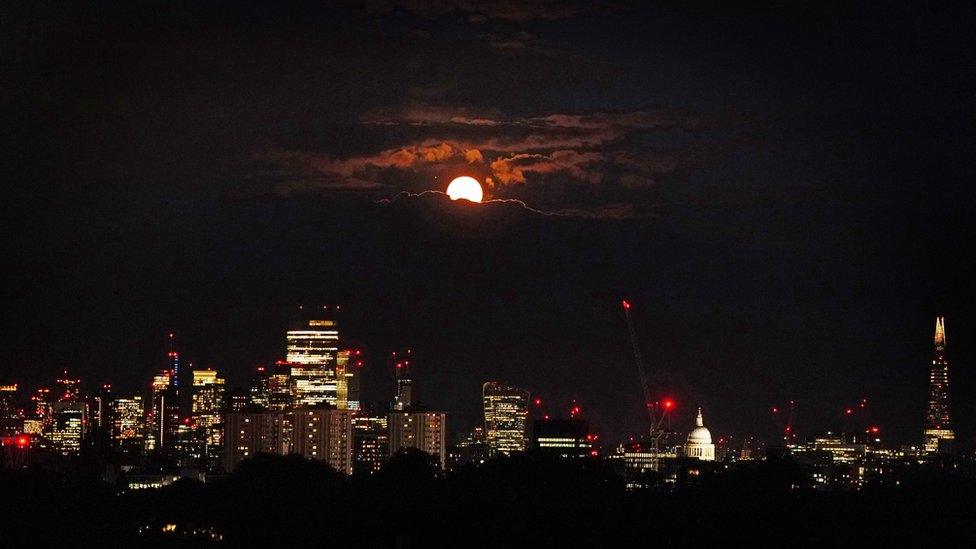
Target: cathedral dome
point(700, 441)
point(700, 435)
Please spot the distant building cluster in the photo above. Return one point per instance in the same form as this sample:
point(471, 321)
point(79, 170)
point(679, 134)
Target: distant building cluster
point(309, 404)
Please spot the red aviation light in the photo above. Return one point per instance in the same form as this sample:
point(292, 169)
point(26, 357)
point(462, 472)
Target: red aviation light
point(260, 368)
point(626, 304)
point(594, 453)
point(538, 402)
point(668, 404)
point(23, 441)
point(849, 411)
point(874, 429)
point(775, 409)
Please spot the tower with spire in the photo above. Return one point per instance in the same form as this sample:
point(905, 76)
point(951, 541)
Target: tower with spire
point(938, 435)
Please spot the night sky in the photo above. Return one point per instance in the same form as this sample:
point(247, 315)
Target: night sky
point(784, 192)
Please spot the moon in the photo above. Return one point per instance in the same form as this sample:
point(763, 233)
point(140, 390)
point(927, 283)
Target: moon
point(466, 188)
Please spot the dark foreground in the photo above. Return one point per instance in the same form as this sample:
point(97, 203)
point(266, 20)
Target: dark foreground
point(531, 501)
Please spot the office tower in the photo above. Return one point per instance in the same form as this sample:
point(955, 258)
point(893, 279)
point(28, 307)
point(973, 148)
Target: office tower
point(99, 407)
point(163, 417)
point(699, 443)
point(348, 367)
point(174, 363)
point(68, 427)
point(506, 409)
point(402, 365)
point(207, 408)
point(568, 438)
point(259, 394)
point(279, 386)
point(313, 342)
point(938, 435)
point(248, 433)
point(11, 416)
point(312, 385)
point(324, 434)
point(371, 443)
point(128, 423)
point(421, 430)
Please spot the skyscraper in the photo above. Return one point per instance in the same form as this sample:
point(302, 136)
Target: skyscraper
point(248, 433)
point(402, 364)
point(128, 423)
point(938, 435)
point(163, 417)
point(314, 342)
point(68, 429)
point(312, 350)
point(506, 409)
point(207, 408)
point(11, 416)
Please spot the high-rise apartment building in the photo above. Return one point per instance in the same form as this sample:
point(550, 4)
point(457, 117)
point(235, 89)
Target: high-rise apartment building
point(371, 443)
point(250, 433)
point(938, 435)
point(421, 430)
point(506, 410)
point(324, 434)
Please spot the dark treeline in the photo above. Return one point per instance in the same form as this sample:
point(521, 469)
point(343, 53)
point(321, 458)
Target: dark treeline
point(531, 500)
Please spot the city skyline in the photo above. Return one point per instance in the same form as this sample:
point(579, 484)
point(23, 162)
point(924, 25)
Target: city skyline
point(302, 348)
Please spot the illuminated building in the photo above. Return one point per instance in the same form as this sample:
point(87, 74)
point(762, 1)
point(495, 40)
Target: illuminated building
point(506, 409)
point(11, 417)
point(348, 367)
point(68, 428)
point(279, 387)
point(471, 449)
point(699, 443)
point(938, 435)
point(100, 407)
point(236, 400)
point(312, 385)
point(324, 434)
point(259, 393)
point(371, 443)
point(424, 431)
point(839, 448)
point(249, 433)
point(402, 364)
point(163, 418)
point(128, 423)
point(640, 458)
point(42, 401)
point(314, 343)
point(568, 438)
point(207, 407)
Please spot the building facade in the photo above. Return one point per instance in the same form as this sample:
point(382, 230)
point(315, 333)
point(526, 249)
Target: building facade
point(699, 443)
point(326, 435)
point(938, 435)
point(207, 409)
point(506, 411)
point(424, 431)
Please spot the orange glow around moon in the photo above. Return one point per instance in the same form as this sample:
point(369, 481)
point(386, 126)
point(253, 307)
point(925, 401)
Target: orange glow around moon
point(465, 187)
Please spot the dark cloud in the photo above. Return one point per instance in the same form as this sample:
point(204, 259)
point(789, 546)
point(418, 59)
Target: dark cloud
point(511, 153)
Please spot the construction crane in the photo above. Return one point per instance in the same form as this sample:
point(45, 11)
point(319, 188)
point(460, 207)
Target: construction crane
point(657, 413)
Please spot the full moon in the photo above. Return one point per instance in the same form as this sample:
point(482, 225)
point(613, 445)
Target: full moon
point(465, 187)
